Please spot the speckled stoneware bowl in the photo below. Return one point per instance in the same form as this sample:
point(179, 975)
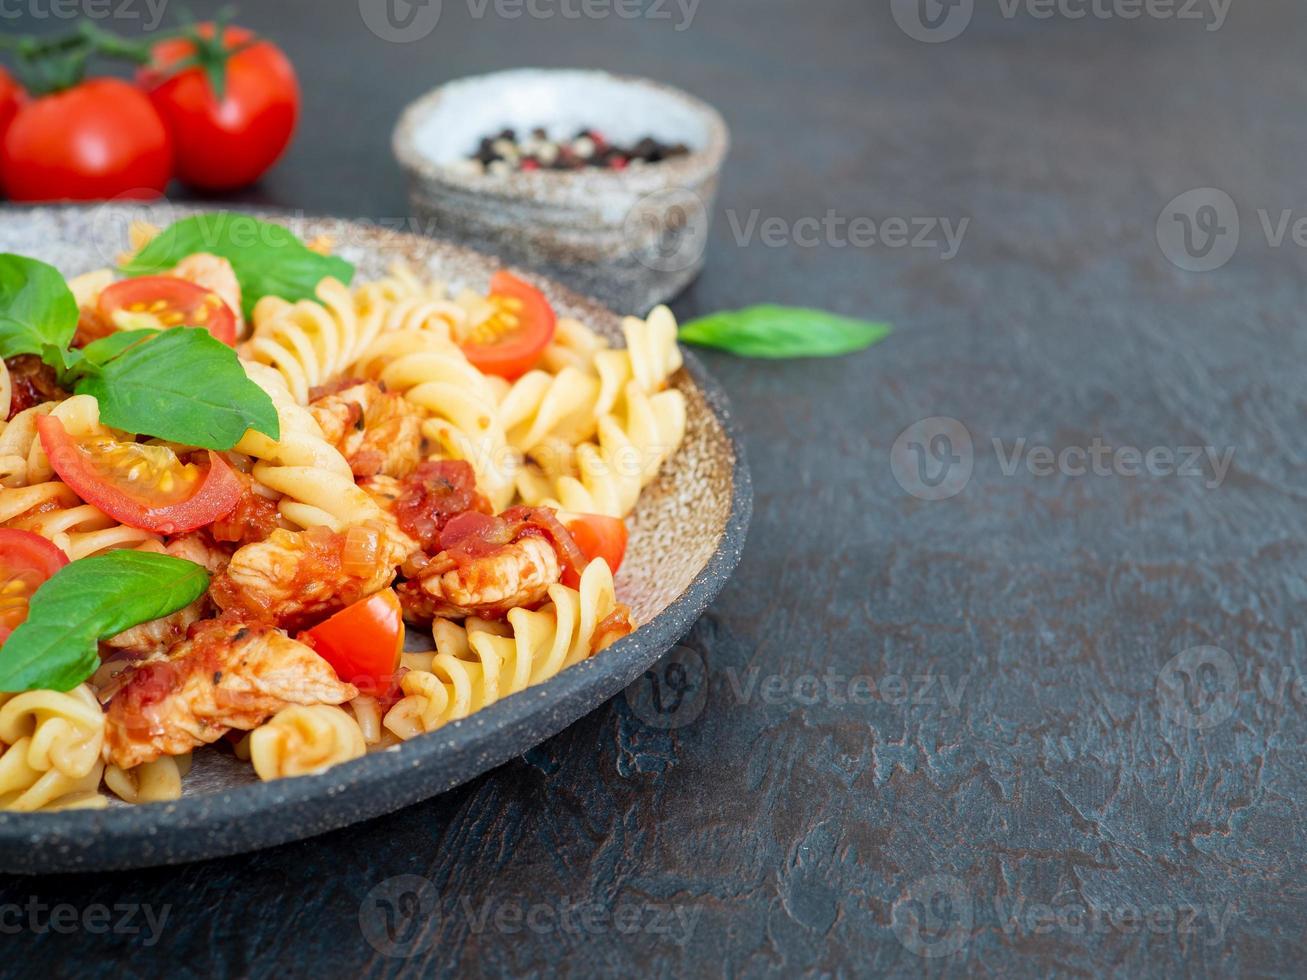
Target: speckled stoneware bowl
point(686, 537)
point(632, 238)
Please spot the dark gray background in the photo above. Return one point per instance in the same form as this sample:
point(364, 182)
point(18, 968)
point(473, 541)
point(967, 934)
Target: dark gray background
point(796, 831)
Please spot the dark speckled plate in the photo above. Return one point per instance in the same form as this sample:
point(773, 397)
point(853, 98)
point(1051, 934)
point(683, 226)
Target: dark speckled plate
point(686, 537)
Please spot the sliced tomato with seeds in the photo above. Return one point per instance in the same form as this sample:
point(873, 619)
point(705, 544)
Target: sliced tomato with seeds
point(362, 642)
point(597, 536)
point(142, 486)
point(163, 302)
point(510, 341)
point(27, 560)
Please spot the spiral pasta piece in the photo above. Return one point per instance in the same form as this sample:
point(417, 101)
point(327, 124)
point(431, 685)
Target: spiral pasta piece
point(50, 744)
point(304, 739)
point(311, 341)
point(159, 781)
point(461, 404)
point(626, 456)
point(315, 481)
point(479, 663)
point(568, 405)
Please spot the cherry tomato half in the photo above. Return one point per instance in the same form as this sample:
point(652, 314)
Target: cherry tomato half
point(598, 537)
point(510, 342)
point(362, 642)
point(26, 561)
point(162, 302)
point(102, 139)
point(142, 486)
point(227, 144)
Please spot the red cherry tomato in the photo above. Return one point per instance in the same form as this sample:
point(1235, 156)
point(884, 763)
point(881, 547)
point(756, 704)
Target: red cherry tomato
point(12, 98)
point(510, 342)
point(162, 302)
point(227, 144)
point(362, 642)
point(598, 537)
point(141, 486)
point(99, 140)
point(26, 561)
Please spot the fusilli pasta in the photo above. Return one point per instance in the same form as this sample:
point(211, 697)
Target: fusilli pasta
point(305, 739)
point(50, 746)
point(481, 662)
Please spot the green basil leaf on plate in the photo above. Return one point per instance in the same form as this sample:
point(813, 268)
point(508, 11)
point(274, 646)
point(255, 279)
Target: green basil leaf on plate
point(56, 647)
point(267, 258)
point(37, 309)
point(183, 386)
point(779, 332)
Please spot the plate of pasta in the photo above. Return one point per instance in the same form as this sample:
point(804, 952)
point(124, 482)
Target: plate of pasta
point(303, 521)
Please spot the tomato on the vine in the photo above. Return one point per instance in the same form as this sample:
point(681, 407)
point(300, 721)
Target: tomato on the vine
point(97, 140)
point(229, 142)
point(12, 98)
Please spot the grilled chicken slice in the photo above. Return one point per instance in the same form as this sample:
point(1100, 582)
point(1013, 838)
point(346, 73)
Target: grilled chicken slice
point(296, 578)
point(517, 574)
point(227, 675)
point(378, 432)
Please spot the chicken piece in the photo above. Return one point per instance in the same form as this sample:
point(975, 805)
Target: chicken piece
point(196, 546)
point(296, 578)
point(226, 675)
point(158, 635)
point(514, 575)
point(378, 432)
point(216, 275)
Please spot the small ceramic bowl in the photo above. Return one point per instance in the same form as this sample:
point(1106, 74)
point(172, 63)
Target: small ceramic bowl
point(632, 238)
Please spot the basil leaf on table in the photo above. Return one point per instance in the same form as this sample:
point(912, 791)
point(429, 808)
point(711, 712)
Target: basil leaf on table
point(37, 309)
point(783, 331)
point(88, 600)
point(183, 386)
point(267, 258)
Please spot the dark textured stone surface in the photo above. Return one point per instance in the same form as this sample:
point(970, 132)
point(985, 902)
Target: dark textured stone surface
point(790, 835)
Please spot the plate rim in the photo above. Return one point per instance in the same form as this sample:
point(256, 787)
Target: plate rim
point(42, 843)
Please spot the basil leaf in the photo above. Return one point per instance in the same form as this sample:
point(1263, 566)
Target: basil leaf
point(102, 351)
point(268, 259)
point(88, 600)
point(37, 309)
point(783, 331)
point(183, 386)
